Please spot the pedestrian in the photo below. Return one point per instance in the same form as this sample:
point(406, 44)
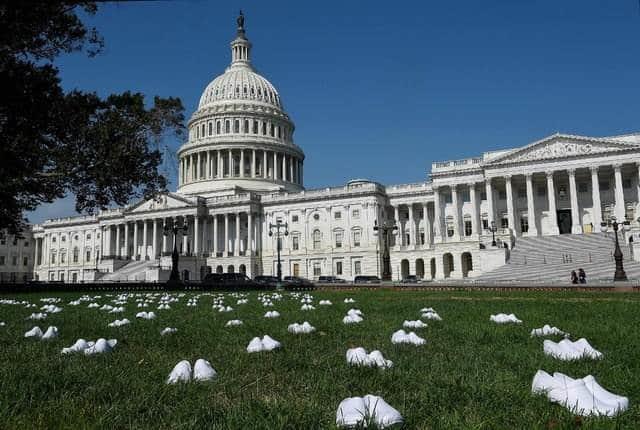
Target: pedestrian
point(582, 277)
point(574, 277)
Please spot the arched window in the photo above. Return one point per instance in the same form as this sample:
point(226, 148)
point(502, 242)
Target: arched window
point(253, 91)
point(237, 91)
point(259, 92)
point(246, 126)
point(197, 132)
point(264, 128)
point(245, 91)
point(236, 126)
point(279, 132)
point(255, 127)
point(218, 127)
point(210, 128)
point(272, 130)
point(76, 253)
point(317, 239)
point(202, 130)
point(227, 126)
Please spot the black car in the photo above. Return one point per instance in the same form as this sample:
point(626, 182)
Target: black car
point(366, 279)
point(229, 280)
point(410, 279)
point(331, 280)
point(297, 282)
point(267, 281)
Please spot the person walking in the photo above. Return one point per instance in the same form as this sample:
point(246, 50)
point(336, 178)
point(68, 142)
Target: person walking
point(574, 277)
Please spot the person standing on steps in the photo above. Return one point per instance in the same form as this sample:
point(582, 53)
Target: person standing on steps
point(574, 277)
point(582, 276)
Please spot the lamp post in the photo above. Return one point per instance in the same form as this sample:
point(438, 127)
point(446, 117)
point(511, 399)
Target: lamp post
point(493, 230)
point(175, 229)
point(279, 225)
point(385, 228)
point(620, 274)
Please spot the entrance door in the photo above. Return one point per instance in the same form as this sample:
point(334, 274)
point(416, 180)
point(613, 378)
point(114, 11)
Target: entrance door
point(564, 221)
point(296, 269)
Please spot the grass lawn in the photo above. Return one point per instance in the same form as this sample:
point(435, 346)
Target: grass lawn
point(470, 374)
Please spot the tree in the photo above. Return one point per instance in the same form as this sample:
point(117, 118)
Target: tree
point(52, 142)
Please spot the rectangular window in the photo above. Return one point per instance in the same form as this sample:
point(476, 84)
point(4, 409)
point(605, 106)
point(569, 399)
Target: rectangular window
point(296, 269)
point(626, 183)
point(604, 185)
point(485, 224)
point(449, 230)
point(466, 196)
point(1, 260)
point(524, 224)
point(295, 242)
point(14, 260)
point(356, 238)
point(294, 218)
point(407, 239)
point(338, 267)
point(25, 261)
point(357, 267)
point(53, 258)
point(26, 244)
point(422, 239)
point(483, 195)
point(339, 240)
point(63, 257)
point(502, 195)
point(317, 271)
point(88, 256)
point(504, 223)
point(337, 215)
point(255, 127)
point(542, 191)
point(467, 228)
point(448, 198)
point(583, 187)
point(355, 214)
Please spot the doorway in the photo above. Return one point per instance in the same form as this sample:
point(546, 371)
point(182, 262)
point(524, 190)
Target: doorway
point(564, 221)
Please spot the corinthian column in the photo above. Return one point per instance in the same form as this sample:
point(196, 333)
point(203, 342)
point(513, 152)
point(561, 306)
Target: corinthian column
point(619, 194)
point(576, 224)
point(510, 215)
point(595, 198)
point(531, 209)
point(553, 213)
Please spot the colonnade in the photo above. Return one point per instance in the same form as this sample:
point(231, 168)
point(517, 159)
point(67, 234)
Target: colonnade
point(240, 163)
point(411, 227)
point(205, 236)
point(532, 212)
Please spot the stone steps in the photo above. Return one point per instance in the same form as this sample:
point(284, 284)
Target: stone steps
point(552, 258)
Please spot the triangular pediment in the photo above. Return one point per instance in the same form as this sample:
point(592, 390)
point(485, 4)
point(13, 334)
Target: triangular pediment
point(562, 146)
point(162, 201)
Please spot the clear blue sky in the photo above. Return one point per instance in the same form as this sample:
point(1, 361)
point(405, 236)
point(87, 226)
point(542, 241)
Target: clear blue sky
point(380, 89)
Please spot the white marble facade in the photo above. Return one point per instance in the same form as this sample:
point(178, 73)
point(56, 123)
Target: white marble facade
point(240, 171)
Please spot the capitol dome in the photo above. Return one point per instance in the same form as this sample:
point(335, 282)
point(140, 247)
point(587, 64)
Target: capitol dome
point(240, 136)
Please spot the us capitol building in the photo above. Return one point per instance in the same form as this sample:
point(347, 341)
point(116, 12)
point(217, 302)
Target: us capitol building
point(241, 172)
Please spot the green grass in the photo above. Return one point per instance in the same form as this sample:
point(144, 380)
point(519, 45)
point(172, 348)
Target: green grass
point(470, 374)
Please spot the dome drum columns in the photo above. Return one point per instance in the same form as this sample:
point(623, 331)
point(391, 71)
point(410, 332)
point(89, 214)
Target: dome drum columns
point(239, 163)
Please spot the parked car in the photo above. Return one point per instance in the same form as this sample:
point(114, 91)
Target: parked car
point(366, 279)
point(411, 279)
point(331, 280)
point(297, 282)
point(229, 280)
point(266, 280)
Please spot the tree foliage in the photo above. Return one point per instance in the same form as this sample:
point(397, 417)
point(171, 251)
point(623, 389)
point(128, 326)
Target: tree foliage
point(52, 142)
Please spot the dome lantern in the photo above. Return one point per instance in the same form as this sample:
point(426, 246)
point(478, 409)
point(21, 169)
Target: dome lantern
point(240, 46)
